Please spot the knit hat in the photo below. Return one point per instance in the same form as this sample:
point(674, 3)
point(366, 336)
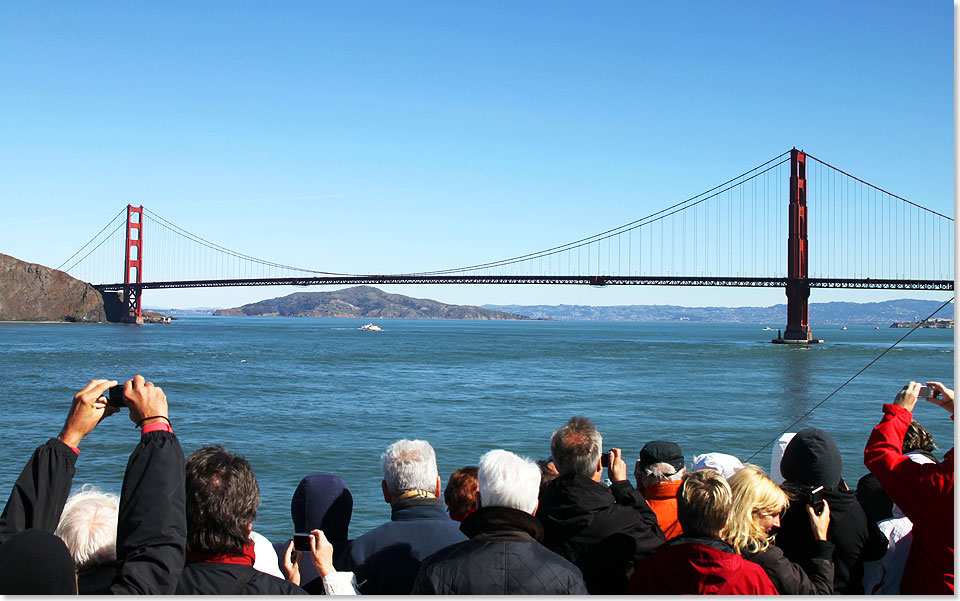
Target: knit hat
point(812, 459)
point(661, 451)
point(36, 562)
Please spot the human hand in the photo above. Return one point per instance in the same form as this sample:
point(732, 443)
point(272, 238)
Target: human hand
point(291, 564)
point(943, 397)
point(618, 467)
point(907, 397)
point(145, 400)
point(819, 523)
point(88, 408)
point(321, 553)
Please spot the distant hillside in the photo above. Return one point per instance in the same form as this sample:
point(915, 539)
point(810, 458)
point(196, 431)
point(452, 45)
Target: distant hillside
point(363, 301)
point(879, 314)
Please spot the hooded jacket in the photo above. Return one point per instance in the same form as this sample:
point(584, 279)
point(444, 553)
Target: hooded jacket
point(813, 459)
point(789, 578)
point(924, 493)
point(603, 531)
point(323, 502)
point(689, 565)
point(502, 557)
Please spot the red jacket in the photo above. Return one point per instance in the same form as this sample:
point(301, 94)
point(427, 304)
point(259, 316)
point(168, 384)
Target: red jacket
point(662, 499)
point(698, 566)
point(925, 495)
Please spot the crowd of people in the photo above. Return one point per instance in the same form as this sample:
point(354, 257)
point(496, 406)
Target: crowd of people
point(508, 525)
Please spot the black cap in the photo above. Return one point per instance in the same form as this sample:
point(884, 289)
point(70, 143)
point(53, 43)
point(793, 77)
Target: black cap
point(661, 451)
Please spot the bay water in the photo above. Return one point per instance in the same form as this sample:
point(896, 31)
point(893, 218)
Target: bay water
point(297, 395)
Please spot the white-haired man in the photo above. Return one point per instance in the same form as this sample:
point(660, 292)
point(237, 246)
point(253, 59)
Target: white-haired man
point(504, 555)
point(386, 559)
point(88, 525)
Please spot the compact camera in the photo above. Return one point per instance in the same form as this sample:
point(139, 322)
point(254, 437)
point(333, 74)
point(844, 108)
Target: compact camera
point(815, 499)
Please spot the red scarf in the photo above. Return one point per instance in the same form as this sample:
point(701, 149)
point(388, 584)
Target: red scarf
point(244, 558)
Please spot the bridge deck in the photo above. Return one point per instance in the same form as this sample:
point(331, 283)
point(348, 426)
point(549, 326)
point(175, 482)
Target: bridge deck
point(603, 280)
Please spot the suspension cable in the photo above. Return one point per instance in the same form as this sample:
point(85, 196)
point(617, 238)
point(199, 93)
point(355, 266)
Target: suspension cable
point(109, 223)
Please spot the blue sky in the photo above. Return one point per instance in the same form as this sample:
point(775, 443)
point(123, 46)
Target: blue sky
point(390, 137)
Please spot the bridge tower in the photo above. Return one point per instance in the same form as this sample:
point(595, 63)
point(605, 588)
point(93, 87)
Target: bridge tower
point(133, 265)
point(798, 289)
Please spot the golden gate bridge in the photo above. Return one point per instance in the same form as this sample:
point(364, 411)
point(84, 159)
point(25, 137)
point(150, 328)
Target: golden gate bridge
point(730, 235)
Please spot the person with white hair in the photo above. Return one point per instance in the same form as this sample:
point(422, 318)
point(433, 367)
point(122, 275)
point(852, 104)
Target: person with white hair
point(504, 555)
point(386, 559)
point(88, 525)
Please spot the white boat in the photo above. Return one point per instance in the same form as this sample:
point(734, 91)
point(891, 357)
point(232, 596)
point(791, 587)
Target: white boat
point(844, 328)
point(372, 328)
point(768, 328)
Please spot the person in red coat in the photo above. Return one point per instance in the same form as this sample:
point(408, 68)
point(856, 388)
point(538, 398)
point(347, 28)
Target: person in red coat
point(923, 492)
point(698, 562)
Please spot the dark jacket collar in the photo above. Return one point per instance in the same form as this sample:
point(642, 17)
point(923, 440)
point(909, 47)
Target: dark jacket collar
point(418, 508)
point(575, 494)
point(502, 523)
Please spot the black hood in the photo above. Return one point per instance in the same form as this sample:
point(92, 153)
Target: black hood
point(812, 459)
point(323, 501)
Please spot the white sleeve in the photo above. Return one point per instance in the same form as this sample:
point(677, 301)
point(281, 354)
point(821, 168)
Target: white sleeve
point(340, 583)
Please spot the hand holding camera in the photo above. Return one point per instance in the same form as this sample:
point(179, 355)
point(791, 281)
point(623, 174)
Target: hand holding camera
point(616, 466)
point(88, 409)
point(819, 520)
point(938, 394)
point(147, 402)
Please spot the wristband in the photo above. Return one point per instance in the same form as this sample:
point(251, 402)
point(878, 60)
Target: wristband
point(164, 417)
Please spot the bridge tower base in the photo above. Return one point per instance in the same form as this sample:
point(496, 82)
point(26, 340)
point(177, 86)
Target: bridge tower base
point(798, 289)
point(132, 265)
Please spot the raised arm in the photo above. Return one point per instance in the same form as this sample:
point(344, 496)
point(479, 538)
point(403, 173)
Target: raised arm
point(42, 489)
point(152, 525)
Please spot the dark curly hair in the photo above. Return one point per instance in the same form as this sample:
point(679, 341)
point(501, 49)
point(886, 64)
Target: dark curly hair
point(222, 501)
point(918, 438)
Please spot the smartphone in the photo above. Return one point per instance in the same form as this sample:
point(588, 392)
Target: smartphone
point(816, 500)
point(115, 398)
point(301, 541)
point(927, 392)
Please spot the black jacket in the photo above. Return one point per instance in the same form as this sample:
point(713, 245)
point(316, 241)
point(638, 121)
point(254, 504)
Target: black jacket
point(813, 459)
point(603, 531)
point(502, 557)
point(386, 559)
point(151, 527)
point(232, 579)
point(791, 579)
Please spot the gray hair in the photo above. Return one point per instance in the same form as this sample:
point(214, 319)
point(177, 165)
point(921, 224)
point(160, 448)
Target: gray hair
point(409, 465)
point(88, 526)
point(576, 447)
point(658, 472)
point(507, 480)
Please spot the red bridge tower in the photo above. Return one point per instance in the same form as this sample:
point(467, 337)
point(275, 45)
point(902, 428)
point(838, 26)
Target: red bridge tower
point(798, 289)
point(133, 264)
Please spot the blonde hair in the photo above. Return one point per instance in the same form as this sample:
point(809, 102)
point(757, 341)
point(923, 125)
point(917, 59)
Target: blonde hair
point(753, 493)
point(703, 502)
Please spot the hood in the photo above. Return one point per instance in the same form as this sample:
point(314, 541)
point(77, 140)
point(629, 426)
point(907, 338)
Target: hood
point(322, 501)
point(812, 459)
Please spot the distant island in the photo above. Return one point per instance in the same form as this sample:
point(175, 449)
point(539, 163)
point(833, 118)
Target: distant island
point(363, 301)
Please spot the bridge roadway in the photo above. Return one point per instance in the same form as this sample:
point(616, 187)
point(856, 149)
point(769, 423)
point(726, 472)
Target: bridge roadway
point(585, 280)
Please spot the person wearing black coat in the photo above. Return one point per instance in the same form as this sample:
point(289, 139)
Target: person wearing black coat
point(151, 528)
point(504, 555)
point(812, 459)
point(604, 531)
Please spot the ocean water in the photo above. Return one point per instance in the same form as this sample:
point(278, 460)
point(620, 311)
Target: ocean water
point(297, 396)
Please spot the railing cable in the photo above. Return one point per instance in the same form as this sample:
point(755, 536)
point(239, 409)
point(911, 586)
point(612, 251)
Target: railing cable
point(877, 358)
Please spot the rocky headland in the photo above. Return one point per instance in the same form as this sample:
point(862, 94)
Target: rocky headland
point(363, 301)
point(31, 292)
